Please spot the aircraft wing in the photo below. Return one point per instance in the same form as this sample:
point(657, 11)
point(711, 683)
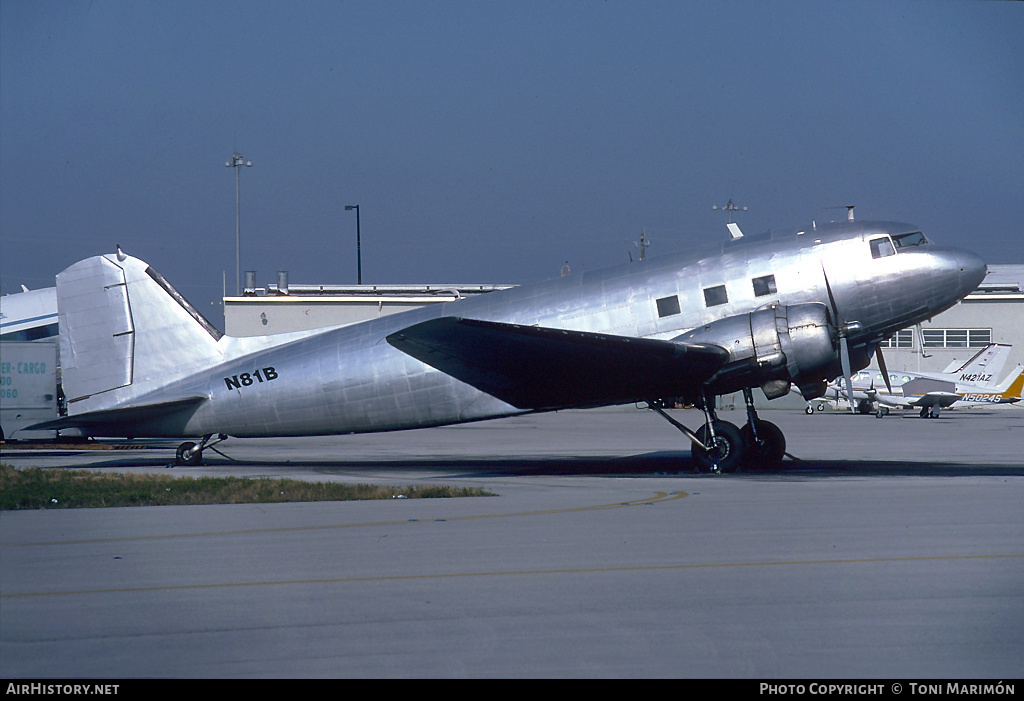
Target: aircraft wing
point(939, 399)
point(533, 367)
point(923, 392)
point(139, 416)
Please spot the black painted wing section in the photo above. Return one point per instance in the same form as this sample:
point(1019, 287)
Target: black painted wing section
point(533, 367)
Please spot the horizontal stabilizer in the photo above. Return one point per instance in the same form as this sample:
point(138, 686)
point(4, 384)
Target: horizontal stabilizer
point(533, 367)
point(112, 422)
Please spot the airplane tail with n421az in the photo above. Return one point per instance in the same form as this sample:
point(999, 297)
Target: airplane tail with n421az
point(795, 307)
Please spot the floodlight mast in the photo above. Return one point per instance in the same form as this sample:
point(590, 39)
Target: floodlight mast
point(730, 208)
point(237, 160)
point(359, 252)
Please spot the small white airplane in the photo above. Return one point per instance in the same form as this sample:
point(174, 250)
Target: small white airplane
point(30, 315)
point(972, 384)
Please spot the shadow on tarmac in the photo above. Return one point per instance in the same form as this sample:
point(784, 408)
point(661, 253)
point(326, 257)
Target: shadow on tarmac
point(662, 463)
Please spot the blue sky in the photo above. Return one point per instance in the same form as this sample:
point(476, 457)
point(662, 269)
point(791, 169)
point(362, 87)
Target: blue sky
point(492, 141)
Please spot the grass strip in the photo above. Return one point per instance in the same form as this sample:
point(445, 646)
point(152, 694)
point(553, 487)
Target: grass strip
point(42, 488)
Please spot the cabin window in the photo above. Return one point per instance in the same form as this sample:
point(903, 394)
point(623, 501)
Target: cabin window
point(714, 296)
point(667, 306)
point(880, 248)
point(764, 286)
point(32, 334)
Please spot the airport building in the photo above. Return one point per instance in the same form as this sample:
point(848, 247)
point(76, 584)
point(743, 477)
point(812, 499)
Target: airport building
point(282, 308)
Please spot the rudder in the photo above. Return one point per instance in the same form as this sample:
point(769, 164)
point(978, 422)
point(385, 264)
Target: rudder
point(125, 331)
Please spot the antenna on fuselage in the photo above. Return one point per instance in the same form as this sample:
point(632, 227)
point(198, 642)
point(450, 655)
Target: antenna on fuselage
point(849, 210)
point(734, 229)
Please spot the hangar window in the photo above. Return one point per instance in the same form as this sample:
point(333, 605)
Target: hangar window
point(902, 339)
point(881, 247)
point(713, 296)
point(957, 338)
point(667, 306)
point(764, 286)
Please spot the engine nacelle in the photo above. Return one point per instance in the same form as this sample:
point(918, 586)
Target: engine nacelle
point(772, 348)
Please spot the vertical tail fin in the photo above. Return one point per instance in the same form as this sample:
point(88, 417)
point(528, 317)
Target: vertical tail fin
point(1014, 390)
point(984, 367)
point(124, 331)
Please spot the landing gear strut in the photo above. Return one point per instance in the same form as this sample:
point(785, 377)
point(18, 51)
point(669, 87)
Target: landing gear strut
point(189, 454)
point(719, 446)
point(724, 447)
point(764, 441)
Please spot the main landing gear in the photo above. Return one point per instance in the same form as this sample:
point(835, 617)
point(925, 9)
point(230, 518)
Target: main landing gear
point(189, 454)
point(719, 446)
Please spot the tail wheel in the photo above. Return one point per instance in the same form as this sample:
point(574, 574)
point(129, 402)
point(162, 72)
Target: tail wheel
point(768, 449)
point(727, 448)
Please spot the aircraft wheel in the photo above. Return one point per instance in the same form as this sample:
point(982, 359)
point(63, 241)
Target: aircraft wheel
point(809, 410)
point(882, 412)
point(195, 459)
point(768, 451)
point(821, 407)
point(728, 448)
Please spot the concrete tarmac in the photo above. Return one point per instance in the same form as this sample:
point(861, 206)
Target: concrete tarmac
point(889, 548)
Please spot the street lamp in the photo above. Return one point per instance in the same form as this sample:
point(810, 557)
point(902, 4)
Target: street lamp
point(359, 253)
point(236, 162)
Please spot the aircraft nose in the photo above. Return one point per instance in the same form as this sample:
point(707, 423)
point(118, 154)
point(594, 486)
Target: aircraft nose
point(972, 270)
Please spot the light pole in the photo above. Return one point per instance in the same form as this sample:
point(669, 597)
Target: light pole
point(359, 252)
point(236, 162)
point(730, 208)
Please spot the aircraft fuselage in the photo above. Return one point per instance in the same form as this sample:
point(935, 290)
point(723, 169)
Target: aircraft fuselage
point(351, 379)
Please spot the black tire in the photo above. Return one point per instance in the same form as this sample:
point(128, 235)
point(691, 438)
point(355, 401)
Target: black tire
point(195, 459)
point(768, 451)
point(728, 444)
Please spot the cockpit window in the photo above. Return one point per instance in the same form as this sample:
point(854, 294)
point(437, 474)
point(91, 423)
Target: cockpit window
point(881, 247)
point(907, 240)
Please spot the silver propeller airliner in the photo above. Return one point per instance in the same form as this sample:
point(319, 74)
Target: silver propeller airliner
point(784, 308)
